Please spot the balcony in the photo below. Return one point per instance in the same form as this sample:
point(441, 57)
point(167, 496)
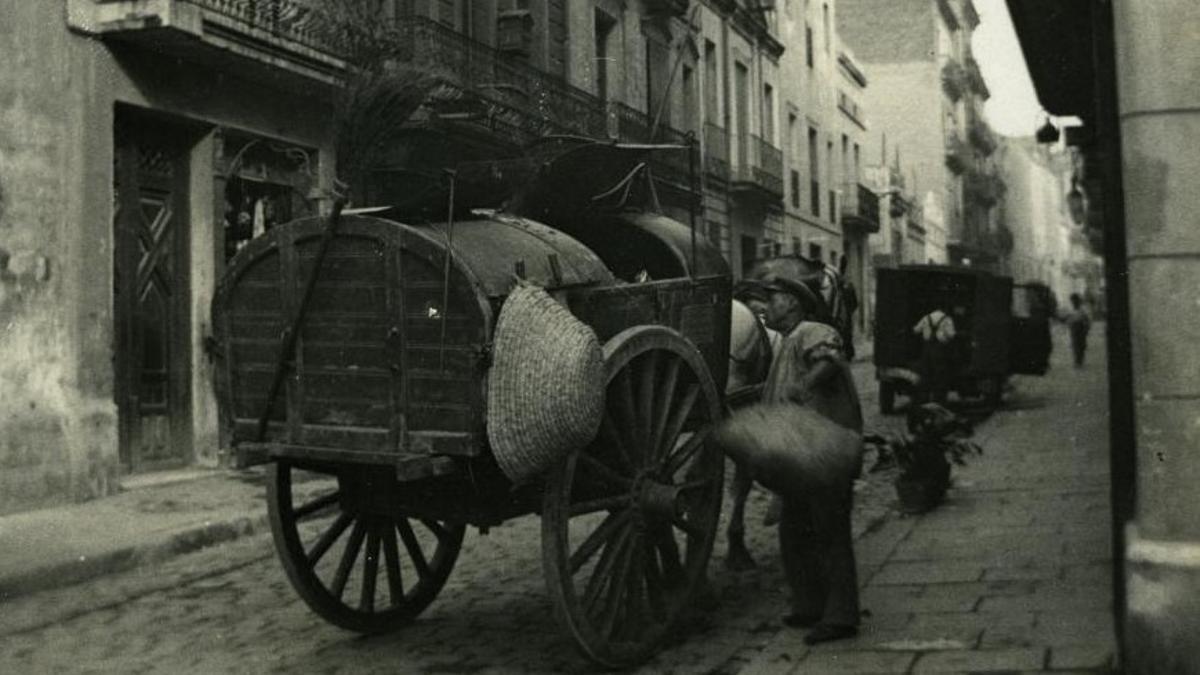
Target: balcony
point(975, 79)
point(535, 101)
point(716, 152)
point(759, 172)
point(666, 8)
point(954, 80)
point(958, 155)
point(629, 125)
point(860, 208)
point(983, 189)
point(288, 37)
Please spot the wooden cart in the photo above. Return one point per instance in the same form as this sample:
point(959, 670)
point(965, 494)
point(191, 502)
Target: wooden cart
point(383, 392)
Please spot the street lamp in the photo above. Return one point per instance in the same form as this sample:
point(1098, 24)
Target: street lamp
point(1047, 133)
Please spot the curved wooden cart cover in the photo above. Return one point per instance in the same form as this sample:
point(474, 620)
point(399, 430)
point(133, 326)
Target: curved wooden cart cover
point(545, 386)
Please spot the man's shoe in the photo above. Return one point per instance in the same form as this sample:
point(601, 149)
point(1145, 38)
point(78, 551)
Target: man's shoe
point(824, 632)
point(797, 620)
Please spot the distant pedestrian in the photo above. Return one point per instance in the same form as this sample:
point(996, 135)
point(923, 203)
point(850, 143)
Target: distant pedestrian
point(815, 538)
point(849, 307)
point(1079, 324)
point(937, 332)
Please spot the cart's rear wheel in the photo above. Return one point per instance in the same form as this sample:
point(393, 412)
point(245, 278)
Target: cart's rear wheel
point(363, 569)
point(628, 523)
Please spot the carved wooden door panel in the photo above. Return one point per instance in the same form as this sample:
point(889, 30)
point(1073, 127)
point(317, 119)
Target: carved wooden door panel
point(151, 299)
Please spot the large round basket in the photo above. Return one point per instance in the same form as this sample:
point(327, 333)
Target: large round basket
point(545, 386)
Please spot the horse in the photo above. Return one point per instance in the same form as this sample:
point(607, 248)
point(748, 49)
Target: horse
point(751, 349)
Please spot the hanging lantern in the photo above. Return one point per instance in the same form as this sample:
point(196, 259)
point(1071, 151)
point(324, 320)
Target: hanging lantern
point(1047, 133)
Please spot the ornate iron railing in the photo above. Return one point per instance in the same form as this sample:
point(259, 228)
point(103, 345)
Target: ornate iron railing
point(297, 20)
point(768, 165)
point(549, 103)
point(628, 124)
point(666, 7)
point(716, 151)
point(860, 202)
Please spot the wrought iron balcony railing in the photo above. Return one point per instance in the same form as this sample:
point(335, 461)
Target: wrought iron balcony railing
point(548, 103)
point(666, 7)
point(630, 125)
point(860, 206)
point(762, 167)
point(716, 152)
point(296, 20)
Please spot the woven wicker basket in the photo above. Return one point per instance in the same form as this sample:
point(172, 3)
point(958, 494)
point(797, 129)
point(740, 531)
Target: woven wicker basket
point(545, 386)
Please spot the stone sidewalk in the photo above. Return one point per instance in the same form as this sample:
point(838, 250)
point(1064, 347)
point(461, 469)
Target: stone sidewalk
point(1012, 573)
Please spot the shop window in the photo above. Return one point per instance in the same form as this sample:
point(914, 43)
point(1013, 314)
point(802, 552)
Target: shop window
point(261, 184)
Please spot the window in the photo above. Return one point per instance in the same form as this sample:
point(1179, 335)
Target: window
point(712, 91)
point(857, 163)
point(795, 189)
point(514, 28)
point(687, 90)
point(825, 27)
point(658, 64)
point(845, 159)
point(768, 114)
point(742, 92)
point(604, 38)
point(814, 251)
point(749, 253)
point(814, 170)
point(808, 43)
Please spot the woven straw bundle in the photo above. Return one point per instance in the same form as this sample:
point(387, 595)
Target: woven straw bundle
point(791, 449)
point(545, 386)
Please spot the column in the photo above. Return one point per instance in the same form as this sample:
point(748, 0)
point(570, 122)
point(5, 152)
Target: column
point(1160, 120)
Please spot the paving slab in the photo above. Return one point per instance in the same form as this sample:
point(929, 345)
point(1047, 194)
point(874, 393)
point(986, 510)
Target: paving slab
point(990, 660)
point(857, 662)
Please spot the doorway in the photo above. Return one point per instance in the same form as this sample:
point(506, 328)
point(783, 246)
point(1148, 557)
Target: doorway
point(151, 292)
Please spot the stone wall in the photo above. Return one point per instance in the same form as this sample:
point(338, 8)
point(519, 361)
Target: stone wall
point(58, 417)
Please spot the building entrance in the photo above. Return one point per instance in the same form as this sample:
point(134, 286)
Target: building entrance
point(151, 293)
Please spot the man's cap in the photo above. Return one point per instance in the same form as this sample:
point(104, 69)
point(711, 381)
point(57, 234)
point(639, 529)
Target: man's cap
point(808, 300)
point(750, 289)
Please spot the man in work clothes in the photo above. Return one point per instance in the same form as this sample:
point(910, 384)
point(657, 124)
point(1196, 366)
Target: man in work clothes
point(936, 330)
point(815, 537)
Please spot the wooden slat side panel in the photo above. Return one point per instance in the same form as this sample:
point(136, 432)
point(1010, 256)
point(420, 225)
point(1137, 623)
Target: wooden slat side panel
point(355, 380)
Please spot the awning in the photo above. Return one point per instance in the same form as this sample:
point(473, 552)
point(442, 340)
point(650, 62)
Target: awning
point(1056, 37)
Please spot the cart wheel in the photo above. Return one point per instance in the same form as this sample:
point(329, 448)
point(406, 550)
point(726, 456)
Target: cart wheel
point(628, 523)
point(887, 397)
point(322, 561)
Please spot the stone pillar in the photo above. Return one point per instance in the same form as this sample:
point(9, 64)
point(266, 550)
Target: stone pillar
point(1159, 108)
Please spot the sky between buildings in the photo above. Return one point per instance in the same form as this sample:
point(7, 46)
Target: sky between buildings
point(1013, 109)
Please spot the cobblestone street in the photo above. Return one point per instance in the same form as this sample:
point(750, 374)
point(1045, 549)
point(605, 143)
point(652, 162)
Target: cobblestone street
point(230, 608)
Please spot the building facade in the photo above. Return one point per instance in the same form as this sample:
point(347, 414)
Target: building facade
point(927, 93)
point(146, 142)
point(1048, 245)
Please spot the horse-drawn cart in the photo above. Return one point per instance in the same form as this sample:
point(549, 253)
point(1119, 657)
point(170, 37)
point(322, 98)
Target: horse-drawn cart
point(371, 380)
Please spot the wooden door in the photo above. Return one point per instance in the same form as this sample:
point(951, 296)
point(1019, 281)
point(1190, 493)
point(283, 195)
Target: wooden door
point(151, 294)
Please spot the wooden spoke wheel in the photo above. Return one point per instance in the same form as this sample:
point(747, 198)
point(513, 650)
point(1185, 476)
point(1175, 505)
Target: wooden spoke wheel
point(361, 568)
point(628, 522)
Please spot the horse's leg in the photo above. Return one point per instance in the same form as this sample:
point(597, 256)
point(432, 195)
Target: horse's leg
point(738, 557)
